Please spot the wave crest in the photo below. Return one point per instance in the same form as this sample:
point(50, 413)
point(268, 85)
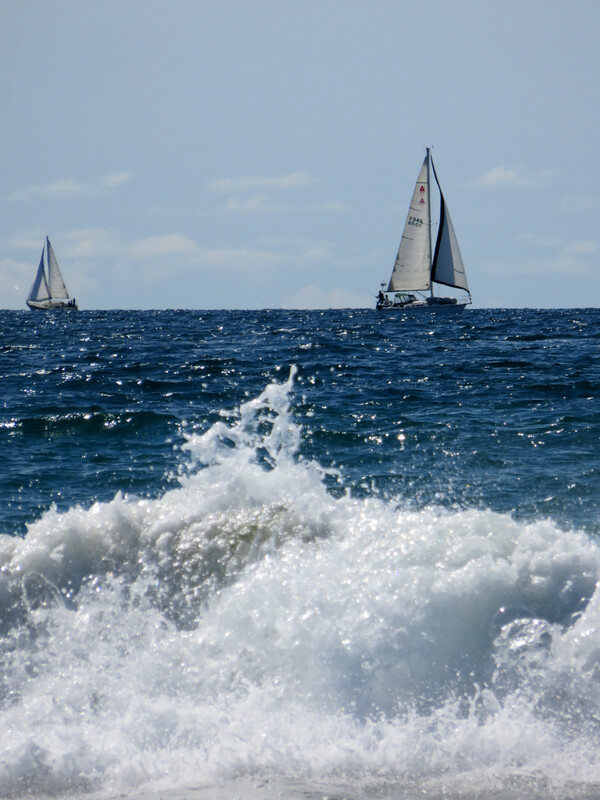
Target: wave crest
point(249, 621)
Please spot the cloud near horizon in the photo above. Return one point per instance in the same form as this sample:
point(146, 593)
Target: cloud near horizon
point(91, 244)
point(315, 297)
point(86, 253)
point(563, 258)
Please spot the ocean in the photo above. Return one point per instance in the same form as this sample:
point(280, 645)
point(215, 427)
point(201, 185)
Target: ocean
point(300, 555)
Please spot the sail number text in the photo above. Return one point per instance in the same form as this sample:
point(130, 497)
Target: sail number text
point(416, 221)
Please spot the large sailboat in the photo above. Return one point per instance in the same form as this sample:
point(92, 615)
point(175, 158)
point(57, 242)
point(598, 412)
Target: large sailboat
point(48, 290)
point(415, 272)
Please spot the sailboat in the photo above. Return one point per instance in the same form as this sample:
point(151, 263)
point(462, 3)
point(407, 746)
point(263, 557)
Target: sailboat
point(48, 290)
point(415, 271)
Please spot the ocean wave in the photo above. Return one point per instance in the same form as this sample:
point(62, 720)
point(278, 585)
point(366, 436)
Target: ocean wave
point(249, 622)
point(55, 422)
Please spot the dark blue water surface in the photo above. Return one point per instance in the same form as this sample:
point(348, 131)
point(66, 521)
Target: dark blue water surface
point(496, 409)
point(328, 553)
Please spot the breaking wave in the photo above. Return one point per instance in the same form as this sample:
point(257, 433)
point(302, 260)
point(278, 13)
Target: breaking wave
point(251, 623)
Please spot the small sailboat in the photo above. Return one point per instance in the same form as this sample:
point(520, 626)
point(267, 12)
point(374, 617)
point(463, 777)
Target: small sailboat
point(48, 290)
point(415, 271)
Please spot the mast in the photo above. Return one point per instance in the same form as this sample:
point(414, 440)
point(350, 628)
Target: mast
point(429, 217)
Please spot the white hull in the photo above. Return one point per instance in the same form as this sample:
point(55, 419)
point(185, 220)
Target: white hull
point(426, 308)
point(51, 305)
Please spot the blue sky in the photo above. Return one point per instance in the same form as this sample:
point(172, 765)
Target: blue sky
point(262, 153)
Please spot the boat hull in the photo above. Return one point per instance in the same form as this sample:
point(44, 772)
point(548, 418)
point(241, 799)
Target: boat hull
point(425, 308)
point(433, 305)
point(52, 305)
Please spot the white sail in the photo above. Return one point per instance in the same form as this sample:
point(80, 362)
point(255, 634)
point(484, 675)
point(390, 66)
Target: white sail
point(448, 267)
point(48, 290)
point(413, 262)
point(58, 290)
point(39, 289)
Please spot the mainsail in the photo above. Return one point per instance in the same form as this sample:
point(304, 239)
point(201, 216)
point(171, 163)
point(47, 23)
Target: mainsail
point(412, 269)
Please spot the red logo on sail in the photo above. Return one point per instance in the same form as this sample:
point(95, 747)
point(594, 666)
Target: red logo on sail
point(422, 189)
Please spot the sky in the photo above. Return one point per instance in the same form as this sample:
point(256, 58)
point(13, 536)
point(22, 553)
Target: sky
point(254, 154)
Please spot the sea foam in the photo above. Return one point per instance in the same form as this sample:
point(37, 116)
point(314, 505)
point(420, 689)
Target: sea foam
point(250, 623)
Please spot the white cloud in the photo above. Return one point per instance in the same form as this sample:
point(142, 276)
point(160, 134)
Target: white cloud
point(59, 190)
point(503, 176)
point(580, 248)
point(101, 243)
point(578, 203)
point(94, 244)
point(116, 179)
point(273, 253)
point(85, 243)
point(243, 259)
point(305, 252)
point(566, 258)
point(253, 193)
point(320, 251)
point(70, 188)
point(254, 204)
point(248, 183)
point(584, 247)
point(332, 206)
point(29, 240)
point(168, 245)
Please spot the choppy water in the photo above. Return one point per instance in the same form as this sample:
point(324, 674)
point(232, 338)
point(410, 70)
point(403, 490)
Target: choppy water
point(300, 554)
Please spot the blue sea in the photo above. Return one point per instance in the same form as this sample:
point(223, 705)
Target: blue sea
point(300, 555)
